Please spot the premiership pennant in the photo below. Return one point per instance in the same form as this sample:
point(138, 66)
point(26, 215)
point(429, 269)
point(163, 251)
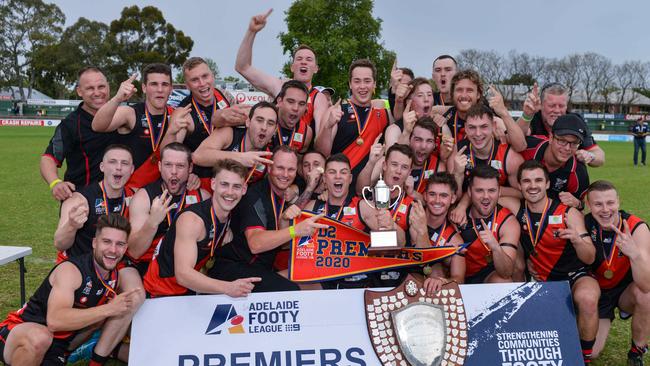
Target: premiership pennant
point(341, 251)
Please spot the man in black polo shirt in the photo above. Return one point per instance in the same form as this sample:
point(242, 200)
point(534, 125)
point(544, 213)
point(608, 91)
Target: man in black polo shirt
point(260, 228)
point(540, 113)
point(640, 131)
point(75, 141)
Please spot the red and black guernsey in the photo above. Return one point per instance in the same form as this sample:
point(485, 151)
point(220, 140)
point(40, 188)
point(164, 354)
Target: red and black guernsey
point(294, 138)
point(455, 123)
point(441, 236)
point(94, 291)
point(98, 204)
point(356, 146)
point(477, 253)
point(552, 258)
point(608, 255)
point(572, 177)
point(144, 141)
point(308, 117)
point(538, 128)
point(256, 173)
point(82, 148)
point(202, 116)
point(160, 279)
point(421, 176)
point(348, 213)
point(498, 159)
point(185, 199)
point(260, 208)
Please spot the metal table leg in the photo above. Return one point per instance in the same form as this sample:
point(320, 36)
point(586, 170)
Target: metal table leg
point(21, 261)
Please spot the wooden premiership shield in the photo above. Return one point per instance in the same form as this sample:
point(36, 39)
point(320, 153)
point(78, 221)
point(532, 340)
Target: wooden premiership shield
point(407, 327)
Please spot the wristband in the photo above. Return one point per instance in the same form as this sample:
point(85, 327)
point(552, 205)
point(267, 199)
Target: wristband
point(526, 118)
point(55, 182)
point(292, 232)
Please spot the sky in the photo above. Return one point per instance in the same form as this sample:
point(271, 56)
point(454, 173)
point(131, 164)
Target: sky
point(417, 30)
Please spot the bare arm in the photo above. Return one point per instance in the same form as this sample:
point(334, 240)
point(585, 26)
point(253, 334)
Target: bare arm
point(205, 154)
point(585, 249)
point(49, 171)
point(504, 256)
point(259, 79)
point(61, 316)
point(639, 255)
point(111, 116)
point(74, 213)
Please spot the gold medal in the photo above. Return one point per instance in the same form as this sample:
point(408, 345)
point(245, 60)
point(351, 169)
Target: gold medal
point(360, 141)
point(427, 270)
point(154, 159)
point(608, 274)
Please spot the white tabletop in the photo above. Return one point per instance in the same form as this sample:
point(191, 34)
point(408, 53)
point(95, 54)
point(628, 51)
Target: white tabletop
point(9, 254)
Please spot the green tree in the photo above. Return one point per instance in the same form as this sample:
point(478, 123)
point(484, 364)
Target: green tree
point(84, 43)
point(143, 36)
point(28, 26)
point(339, 31)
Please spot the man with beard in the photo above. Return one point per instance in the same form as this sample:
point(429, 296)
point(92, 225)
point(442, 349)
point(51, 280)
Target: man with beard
point(303, 68)
point(141, 126)
point(247, 146)
point(466, 91)
point(539, 115)
point(261, 223)
point(622, 267)
point(75, 142)
point(153, 208)
point(205, 109)
point(79, 214)
point(196, 237)
point(440, 194)
point(491, 230)
point(569, 177)
point(555, 246)
point(292, 105)
point(351, 127)
point(78, 294)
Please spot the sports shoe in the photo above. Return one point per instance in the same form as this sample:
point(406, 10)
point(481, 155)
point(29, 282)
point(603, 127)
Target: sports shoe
point(634, 359)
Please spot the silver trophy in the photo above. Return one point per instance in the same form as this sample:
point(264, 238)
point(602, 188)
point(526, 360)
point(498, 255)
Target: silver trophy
point(382, 240)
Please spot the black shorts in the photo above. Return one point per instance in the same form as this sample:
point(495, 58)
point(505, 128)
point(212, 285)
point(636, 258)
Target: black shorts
point(573, 277)
point(229, 270)
point(609, 300)
point(56, 355)
point(480, 276)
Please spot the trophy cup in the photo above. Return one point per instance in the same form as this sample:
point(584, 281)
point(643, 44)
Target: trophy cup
point(382, 240)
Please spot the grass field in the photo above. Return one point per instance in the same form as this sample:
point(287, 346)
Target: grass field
point(30, 214)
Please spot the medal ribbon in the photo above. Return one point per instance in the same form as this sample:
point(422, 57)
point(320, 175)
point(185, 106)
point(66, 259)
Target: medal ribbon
point(110, 291)
point(203, 117)
point(396, 208)
point(442, 230)
point(493, 226)
point(610, 258)
point(276, 214)
point(293, 132)
point(472, 158)
point(361, 127)
point(540, 227)
point(105, 203)
point(338, 215)
point(424, 170)
point(216, 239)
point(180, 206)
point(155, 138)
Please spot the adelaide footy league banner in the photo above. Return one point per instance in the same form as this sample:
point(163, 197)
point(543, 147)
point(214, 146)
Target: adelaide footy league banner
point(516, 324)
point(341, 251)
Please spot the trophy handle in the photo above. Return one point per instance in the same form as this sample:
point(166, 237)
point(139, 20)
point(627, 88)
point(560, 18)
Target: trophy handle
point(363, 194)
point(400, 195)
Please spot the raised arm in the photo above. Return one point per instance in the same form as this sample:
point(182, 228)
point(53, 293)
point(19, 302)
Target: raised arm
point(74, 213)
point(111, 116)
point(244, 63)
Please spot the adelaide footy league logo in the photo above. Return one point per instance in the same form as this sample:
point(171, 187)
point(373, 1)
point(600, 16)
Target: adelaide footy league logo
point(225, 317)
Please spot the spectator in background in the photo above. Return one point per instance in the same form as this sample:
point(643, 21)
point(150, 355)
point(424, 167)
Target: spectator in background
point(640, 131)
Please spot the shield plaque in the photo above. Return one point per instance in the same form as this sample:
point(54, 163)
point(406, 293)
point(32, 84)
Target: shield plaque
point(408, 327)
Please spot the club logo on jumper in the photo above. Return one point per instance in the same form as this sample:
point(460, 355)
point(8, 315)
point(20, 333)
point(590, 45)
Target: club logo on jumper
point(225, 317)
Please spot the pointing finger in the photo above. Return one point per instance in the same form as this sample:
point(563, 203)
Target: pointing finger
point(378, 138)
point(626, 227)
point(268, 13)
point(395, 64)
point(408, 106)
point(484, 225)
point(132, 78)
point(462, 150)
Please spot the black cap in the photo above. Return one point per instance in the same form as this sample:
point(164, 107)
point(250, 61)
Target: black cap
point(570, 124)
